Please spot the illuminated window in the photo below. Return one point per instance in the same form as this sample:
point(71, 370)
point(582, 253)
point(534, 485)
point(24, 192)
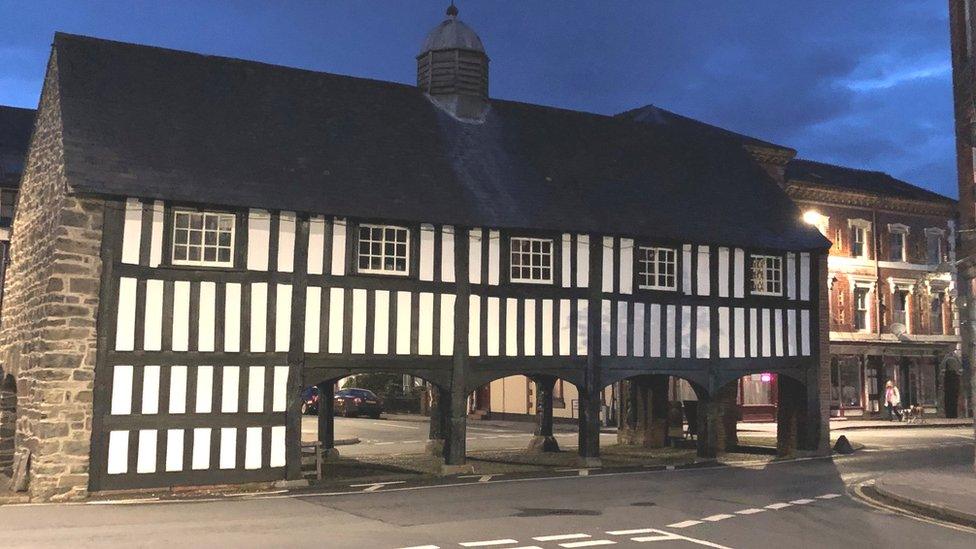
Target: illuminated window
point(767, 275)
point(203, 238)
point(657, 268)
point(531, 260)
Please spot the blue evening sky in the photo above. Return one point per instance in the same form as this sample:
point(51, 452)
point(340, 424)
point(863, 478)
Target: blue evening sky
point(865, 84)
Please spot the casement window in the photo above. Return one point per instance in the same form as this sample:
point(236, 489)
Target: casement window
point(384, 249)
point(657, 268)
point(203, 238)
point(858, 237)
point(861, 309)
point(531, 260)
point(767, 275)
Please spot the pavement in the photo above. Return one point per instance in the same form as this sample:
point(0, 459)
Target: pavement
point(808, 503)
point(945, 494)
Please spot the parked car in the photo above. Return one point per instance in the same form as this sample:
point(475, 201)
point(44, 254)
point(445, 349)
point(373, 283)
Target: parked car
point(358, 402)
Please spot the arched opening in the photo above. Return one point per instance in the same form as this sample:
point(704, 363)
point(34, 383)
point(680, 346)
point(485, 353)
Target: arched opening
point(8, 421)
point(657, 410)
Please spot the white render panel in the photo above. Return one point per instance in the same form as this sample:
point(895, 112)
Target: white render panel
point(686, 269)
point(723, 272)
point(201, 449)
point(152, 337)
point(181, 315)
point(131, 231)
point(313, 315)
point(582, 260)
point(511, 327)
point(622, 328)
point(791, 276)
point(474, 325)
point(403, 323)
point(605, 312)
point(177, 390)
point(230, 388)
point(339, 247)
point(255, 389)
point(607, 253)
point(381, 322)
point(672, 331)
point(277, 458)
point(753, 333)
point(426, 251)
point(493, 329)
point(805, 276)
point(279, 395)
point(638, 329)
point(447, 324)
point(626, 266)
point(567, 264)
point(582, 323)
point(740, 332)
point(150, 390)
point(286, 242)
point(146, 453)
point(425, 331)
point(122, 390)
point(259, 316)
point(316, 245)
point(258, 239)
point(358, 343)
point(474, 256)
point(156, 238)
point(528, 342)
point(125, 326)
point(686, 331)
point(704, 274)
point(118, 452)
point(654, 327)
point(494, 257)
point(565, 327)
point(805, 332)
point(778, 325)
point(204, 399)
point(724, 350)
point(206, 329)
point(228, 448)
point(703, 341)
point(739, 275)
point(791, 332)
point(447, 253)
point(766, 333)
point(252, 448)
point(547, 327)
point(336, 304)
point(232, 317)
point(174, 450)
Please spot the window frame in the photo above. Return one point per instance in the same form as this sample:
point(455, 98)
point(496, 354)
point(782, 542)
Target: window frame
point(863, 227)
point(217, 264)
point(855, 302)
point(382, 271)
point(552, 260)
point(641, 274)
point(779, 281)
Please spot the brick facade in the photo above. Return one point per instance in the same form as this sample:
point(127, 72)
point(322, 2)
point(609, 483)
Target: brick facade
point(48, 333)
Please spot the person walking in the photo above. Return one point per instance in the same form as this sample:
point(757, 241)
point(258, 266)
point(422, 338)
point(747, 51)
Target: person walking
point(892, 401)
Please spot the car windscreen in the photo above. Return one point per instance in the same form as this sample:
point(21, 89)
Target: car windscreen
point(363, 393)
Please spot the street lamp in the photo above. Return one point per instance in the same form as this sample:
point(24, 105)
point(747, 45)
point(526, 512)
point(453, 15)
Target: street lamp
point(812, 217)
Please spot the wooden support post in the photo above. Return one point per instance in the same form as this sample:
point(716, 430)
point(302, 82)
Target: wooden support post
point(438, 423)
point(457, 424)
point(543, 441)
point(718, 416)
point(296, 355)
point(327, 418)
point(590, 391)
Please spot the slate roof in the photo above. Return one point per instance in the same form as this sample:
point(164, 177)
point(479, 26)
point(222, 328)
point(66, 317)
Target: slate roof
point(16, 125)
point(155, 123)
point(865, 181)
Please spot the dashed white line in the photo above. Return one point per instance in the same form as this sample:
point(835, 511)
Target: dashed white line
point(684, 524)
point(750, 511)
point(488, 543)
point(422, 547)
point(801, 501)
point(777, 506)
point(631, 532)
point(591, 543)
point(561, 537)
point(667, 536)
point(716, 518)
point(374, 486)
point(828, 496)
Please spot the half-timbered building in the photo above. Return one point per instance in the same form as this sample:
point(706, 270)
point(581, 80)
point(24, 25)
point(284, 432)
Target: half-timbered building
point(199, 237)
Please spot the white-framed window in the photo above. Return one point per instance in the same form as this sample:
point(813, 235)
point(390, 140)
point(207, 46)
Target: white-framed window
point(767, 275)
point(861, 309)
point(657, 268)
point(858, 237)
point(531, 260)
point(384, 249)
point(933, 245)
point(898, 240)
point(203, 238)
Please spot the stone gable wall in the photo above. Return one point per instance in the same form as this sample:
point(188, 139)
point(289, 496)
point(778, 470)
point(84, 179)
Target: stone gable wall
point(48, 333)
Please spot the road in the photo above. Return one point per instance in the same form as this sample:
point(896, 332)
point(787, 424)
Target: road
point(789, 504)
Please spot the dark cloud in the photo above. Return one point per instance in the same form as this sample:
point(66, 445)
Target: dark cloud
point(861, 83)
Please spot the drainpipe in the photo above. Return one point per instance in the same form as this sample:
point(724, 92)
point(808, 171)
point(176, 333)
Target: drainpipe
point(877, 270)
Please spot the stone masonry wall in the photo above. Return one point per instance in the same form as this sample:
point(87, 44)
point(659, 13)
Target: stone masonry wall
point(48, 333)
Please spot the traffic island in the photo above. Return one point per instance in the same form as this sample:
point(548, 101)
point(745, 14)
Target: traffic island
point(944, 495)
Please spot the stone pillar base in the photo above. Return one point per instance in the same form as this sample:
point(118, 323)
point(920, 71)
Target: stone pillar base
point(589, 462)
point(330, 453)
point(435, 447)
point(464, 469)
point(541, 444)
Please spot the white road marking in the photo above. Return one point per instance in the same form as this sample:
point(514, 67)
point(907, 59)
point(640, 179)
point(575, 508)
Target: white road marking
point(750, 511)
point(482, 478)
point(488, 543)
point(669, 468)
point(631, 532)
point(374, 486)
point(716, 518)
point(591, 543)
point(422, 547)
point(668, 536)
point(777, 506)
point(394, 425)
point(560, 537)
point(801, 501)
point(411, 441)
point(384, 443)
point(684, 524)
point(828, 496)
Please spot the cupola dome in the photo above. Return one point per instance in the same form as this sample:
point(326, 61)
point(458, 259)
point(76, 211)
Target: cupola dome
point(452, 68)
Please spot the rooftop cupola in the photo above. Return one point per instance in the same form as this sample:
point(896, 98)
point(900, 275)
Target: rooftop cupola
point(452, 68)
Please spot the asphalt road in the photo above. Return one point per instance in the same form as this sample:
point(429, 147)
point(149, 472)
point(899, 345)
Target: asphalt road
point(796, 504)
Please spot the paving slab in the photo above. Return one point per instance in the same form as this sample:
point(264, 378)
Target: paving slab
point(946, 494)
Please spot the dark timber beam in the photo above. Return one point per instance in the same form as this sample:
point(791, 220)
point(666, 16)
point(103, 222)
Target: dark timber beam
point(455, 437)
point(327, 418)
point(589, 392)
point(543, 441)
